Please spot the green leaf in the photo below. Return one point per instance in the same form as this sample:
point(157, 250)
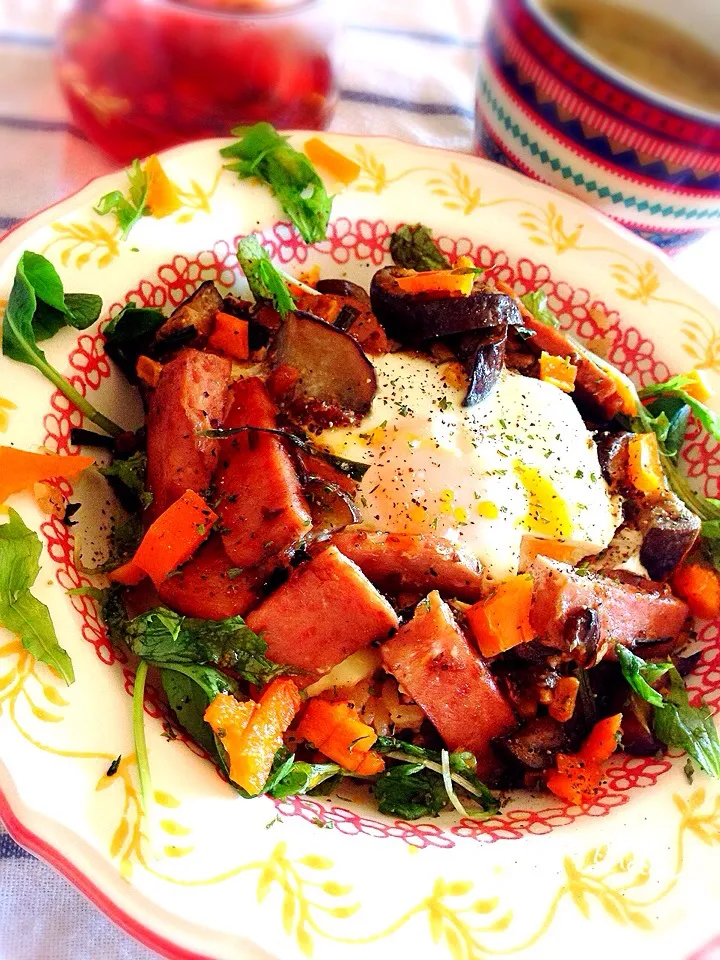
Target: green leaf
point(19, 340)
point(426, 765)
point(127, 210)
point(675, 722)
point(413, 247)
point(641, 675)
point(129, 334)
point(141, 753)
point(130, 472)
point(265, 281)
point(20, 611)
point(691, 729)
point(190, 690)
point(289, 778)
point(167, 637)
point(264, 154)
point(84, 309)
point(675, 388)
point(536, 303)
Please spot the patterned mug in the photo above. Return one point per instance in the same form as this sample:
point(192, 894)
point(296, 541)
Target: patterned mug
point(548, 107)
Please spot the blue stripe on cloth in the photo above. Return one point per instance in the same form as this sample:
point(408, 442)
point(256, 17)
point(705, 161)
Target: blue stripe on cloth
point(6, 223)
point(419, 35)
point(411, 106)
point(9, 850)
point(44, 126)
point(26, 39)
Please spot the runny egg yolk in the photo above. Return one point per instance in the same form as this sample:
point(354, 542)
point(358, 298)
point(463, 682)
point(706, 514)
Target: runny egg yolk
point(520, 464)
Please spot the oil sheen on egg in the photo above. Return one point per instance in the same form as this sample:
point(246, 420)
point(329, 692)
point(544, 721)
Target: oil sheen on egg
point(520, 464)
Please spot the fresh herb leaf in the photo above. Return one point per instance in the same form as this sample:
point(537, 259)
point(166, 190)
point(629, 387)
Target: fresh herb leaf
point(413, 248)
point(20, 612)
point(131, 333)
point(290, 777)
point(537, 303)
point(19, 337)
point(691, 729)
point(265, 280)
point(427, 765)
point(264, 153)
point(409, 791)
point(130, 473)
point(113, 613)
point(641, 675)
point(78, 310)
point(670, 421)
point(675, 388)
point(675, 722)
point(127, 209)
point(190, 689)
point(167, 637)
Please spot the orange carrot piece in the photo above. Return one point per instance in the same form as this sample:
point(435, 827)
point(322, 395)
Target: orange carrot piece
point(229, 719)
point(564, 695)
point(323, 155)
point(20, 469)
point(335, 729)
point(129, 574)
point(162, 194)
point(175, 536)
point(148, 370)
point(644, 466)
point(699, 586)
point(502, 620)
point(231, 336)
point(579, 775)
point(438, 281)
point(558, 371)
point(603, 740)
point(255, 750)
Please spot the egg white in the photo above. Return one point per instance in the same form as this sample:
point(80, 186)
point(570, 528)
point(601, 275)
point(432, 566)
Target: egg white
point(519, 464)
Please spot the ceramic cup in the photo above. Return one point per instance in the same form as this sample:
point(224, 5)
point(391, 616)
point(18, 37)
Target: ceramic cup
point(549, 108)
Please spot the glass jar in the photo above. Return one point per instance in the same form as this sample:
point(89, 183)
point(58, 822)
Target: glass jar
point(142, 75)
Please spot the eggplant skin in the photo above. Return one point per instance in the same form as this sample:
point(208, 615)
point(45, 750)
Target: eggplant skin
point(334, 377)
point(669, 533)
point(197, 311)
point(482, 354)
point(414, 318)
point(338, 287)
point(535, 745)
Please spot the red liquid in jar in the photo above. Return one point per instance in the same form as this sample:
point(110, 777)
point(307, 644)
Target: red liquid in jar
point(142, 76)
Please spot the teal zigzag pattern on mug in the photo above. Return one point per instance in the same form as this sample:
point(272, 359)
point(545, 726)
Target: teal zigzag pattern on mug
point(579, 179)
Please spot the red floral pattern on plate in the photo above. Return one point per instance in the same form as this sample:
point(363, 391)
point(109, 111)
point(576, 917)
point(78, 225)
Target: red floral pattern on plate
point(368, 242)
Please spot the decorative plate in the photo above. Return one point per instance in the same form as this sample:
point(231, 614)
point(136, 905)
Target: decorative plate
point(214, 876)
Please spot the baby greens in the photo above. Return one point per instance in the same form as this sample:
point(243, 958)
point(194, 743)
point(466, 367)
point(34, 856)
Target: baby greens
point(128, 210)
point(36, 309)
point(416, 787)
point(166, 637)
point(264, 153)
point(20, 611)
point(675, 722)
point(537, 303)
point(413, 248)
point(266, 282)
point(131, 333)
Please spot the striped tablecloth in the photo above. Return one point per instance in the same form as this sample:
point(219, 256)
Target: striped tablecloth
point(408, 71)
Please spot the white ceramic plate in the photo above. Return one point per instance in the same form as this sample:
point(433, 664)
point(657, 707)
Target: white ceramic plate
point(215, 876)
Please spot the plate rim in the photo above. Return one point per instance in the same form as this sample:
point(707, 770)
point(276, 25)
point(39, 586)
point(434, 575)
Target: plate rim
point(14, 816)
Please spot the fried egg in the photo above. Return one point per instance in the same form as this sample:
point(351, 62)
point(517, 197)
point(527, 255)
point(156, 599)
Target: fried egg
point(518, 470)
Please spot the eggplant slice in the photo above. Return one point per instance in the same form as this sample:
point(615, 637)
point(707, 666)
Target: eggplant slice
point(198, 312)
point(482, 355)
point(415, 318)
point(333, 382)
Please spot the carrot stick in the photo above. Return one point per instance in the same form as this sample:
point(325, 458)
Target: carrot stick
point(322, 155)
point(174, 536)
point(148, 370)
point(231, 336)
point(253, 750)
point(162, 194)
point(644, 467)
point(438, 281)
point(579, 775)
point(558, 371)
point(502, 620)
point(129, 574)
point(700, 587)
point(20, 469)
point(335, 729)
